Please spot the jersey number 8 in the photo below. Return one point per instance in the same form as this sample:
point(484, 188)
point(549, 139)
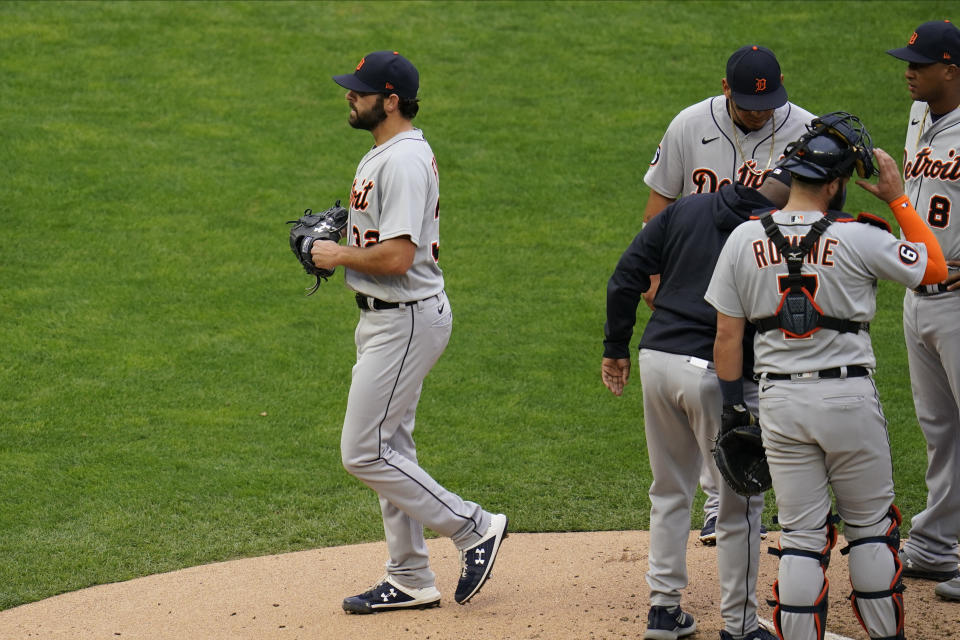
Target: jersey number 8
point(939, 214)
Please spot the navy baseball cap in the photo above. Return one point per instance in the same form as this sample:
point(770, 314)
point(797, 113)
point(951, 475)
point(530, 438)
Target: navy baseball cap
point(936, 41)
point(753, 75)
point(780, 175)
point(383, 72)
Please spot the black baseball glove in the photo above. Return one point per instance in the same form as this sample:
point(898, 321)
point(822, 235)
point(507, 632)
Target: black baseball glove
point(311, 227)
point(739, 454)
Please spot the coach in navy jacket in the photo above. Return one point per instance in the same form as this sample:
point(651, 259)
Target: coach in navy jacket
point(681, 397)
point(682, 245)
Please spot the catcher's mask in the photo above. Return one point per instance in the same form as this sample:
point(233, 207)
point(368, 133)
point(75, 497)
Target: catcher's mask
point(833, 146)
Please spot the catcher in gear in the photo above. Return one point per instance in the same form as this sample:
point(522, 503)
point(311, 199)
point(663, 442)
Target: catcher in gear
point(311, 227)
point(739, 453)
point(823, 426)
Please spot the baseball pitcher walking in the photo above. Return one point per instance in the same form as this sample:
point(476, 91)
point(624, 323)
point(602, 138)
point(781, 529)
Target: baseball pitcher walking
point(390, 261)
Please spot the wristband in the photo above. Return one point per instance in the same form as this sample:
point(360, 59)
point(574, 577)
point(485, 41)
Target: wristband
point(732, 391)
point(898, 203)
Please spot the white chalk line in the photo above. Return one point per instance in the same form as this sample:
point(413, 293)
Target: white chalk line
point(768, 625)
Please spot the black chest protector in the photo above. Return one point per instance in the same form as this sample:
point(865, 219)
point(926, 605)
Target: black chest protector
point(798, 316)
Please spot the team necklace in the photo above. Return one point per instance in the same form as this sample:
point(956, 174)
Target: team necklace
point(773, 141)
point(923, 122)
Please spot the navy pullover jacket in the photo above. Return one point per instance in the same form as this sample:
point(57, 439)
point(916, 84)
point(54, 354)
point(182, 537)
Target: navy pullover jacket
point(682, 244)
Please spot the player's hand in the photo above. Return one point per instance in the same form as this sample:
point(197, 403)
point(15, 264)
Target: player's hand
point(735, 415)
point(953, 275)
point(325, 253)
point(889, 185)
point(650, 293)
point(615, 372)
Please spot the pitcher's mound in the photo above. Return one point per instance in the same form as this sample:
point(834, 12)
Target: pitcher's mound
point(554, 586)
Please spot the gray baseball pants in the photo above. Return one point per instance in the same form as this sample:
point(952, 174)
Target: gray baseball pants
point(682, 406)
point(396, 348)
point(931, 327)
point(822, 434)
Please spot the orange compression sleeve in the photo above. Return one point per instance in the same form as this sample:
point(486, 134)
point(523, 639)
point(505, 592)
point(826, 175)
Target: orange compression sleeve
point(915, 230)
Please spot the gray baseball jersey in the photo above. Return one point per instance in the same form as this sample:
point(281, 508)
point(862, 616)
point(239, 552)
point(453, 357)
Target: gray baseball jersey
point(702, 149)
point(930, 323)
point(823, 427)
point(750, 277)
point(931, 172)
point(396, 192)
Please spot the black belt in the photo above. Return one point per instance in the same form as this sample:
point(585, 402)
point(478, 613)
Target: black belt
point(853, 371)
point(367, 303)
point(930, 289)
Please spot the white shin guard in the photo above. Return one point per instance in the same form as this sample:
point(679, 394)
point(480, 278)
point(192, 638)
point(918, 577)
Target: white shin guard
point(875, 573)
point(802, 588)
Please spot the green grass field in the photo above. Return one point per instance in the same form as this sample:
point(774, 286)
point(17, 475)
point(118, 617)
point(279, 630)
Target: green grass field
point(168, 395)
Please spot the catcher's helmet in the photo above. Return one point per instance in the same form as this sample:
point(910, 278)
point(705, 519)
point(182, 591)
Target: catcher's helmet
point(834, 144)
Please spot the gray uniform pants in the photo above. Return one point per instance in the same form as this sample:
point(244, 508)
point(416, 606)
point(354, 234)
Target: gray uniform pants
point(396, 348)
point(682, 406)
point(818, 435)
point(710, 489)
point(931, 327)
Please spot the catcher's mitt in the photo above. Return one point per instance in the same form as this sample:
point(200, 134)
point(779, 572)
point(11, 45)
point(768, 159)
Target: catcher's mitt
point(739, 454)
point(311, 227)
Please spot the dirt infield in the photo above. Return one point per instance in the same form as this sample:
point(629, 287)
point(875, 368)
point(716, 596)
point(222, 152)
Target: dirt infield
point(555, 586)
